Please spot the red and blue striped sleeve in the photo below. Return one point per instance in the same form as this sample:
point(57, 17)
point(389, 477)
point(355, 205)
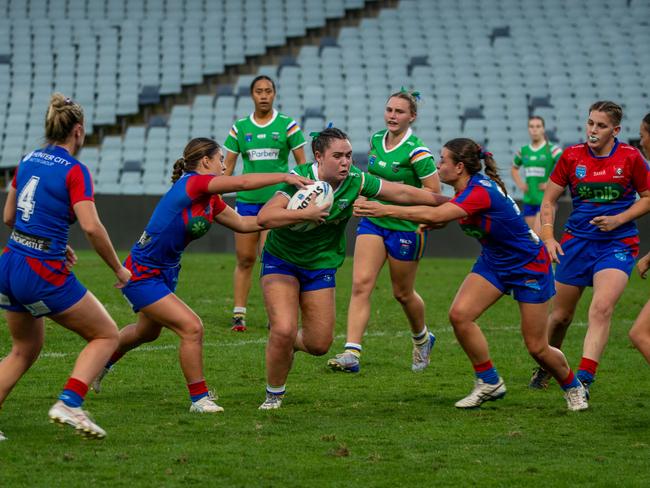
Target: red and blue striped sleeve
point(640, 175)
point(79, 184)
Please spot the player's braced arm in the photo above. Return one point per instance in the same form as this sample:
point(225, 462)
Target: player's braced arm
point(409, 195)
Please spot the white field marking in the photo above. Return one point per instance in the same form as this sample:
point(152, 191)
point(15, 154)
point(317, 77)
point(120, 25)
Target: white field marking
point(260, 341)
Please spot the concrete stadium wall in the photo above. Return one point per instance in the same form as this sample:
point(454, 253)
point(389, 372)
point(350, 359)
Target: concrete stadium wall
point(125, 217)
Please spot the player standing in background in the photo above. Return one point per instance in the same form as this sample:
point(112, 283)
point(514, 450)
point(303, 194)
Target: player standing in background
point(600, 240)
point(512, 260)
point(299, 268)
point(264, 140)
point(640, 332)
point(396, 154)
point(537, 160)
point(184, 214)
point(50, 190)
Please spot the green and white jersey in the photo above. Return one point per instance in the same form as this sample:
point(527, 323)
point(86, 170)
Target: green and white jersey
point(324, 246)
point(264, 149)
point(537, 165)
point(408, 162)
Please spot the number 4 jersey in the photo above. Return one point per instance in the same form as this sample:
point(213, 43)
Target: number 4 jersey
point(48, 183)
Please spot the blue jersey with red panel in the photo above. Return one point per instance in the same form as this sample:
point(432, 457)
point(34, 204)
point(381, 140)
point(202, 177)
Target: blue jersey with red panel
point(604, 185)
point(48, 183)
point(495, 220)
point(184, 214)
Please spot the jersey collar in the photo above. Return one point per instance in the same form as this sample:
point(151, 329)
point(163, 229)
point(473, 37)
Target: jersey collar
point(603, 157)
point(406, 136)
point(252, 119)
point(530, 146)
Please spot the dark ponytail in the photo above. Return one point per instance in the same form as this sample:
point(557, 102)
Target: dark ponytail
point(195, 150)
point(470, 154)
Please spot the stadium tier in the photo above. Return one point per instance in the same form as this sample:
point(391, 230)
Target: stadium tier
point(481, 67)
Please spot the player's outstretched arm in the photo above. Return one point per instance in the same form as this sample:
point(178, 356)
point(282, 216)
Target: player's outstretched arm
point(253, 181)
point(231, 219)
point(429, 216)
point(406, 194)
point(98, 237)
point(276, 214)
point(9, 212)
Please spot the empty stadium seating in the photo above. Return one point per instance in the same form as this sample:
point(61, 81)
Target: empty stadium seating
point(482, 68)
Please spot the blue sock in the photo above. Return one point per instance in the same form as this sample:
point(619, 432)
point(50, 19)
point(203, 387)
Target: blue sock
point(487, 372)
point(585, 377)
point(71, 398)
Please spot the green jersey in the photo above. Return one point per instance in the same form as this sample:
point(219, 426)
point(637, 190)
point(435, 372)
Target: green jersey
point(324, 246)
point(409, 162)
point(537, 165)
point(264, 149)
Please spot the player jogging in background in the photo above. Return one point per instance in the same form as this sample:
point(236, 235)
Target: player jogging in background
point(600, 240)
point(512, 260)
point(536, 160)
point(184, 213)
point(50, 190)
point(396, 154)
point(640, 332)
point(299, 268)
point(264, 140)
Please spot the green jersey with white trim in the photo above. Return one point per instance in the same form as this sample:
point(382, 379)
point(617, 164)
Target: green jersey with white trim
point(324, 246)
point(409, 162)
point(264, 149)
point(537, 165)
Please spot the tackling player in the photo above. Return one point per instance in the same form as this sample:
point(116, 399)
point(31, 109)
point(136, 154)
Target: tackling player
point(50, 190)
point(600, 240)
point(299, 268)
point(264, 140)
point(184, 214)
point(512, 260)
point(396, 154)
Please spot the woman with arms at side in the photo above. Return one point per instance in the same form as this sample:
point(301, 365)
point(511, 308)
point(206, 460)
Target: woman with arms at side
point(264, 140)
point(513, 260)
point(49, 191)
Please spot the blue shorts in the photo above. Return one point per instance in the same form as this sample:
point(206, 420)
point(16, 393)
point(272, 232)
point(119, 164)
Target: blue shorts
point(148, 285)
point(309, 279)
point(533, 283)
point(402, 245)
point(248, 209)
point(531, 210)
point(583, 258)
point(38, 286)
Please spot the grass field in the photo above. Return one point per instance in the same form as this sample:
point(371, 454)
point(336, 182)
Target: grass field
point(385, 426)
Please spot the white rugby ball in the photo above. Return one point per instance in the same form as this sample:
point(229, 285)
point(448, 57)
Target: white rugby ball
point(324, 195)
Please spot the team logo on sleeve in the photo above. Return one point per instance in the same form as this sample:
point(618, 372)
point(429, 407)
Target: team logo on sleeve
point(248, 137)
point(581, 171)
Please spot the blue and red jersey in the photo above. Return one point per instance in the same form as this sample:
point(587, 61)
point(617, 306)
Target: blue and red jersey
point(184, 214)
point(495, 220)
point(48, 183)
point(604, 185)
